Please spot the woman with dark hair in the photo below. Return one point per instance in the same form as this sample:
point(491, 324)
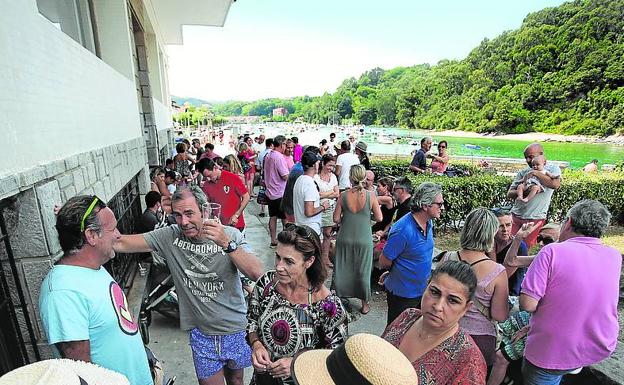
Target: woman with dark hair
point(387, 203)
point(431, 338)
point(182, 161)
point(290, 309)
point(327, 184)
point(440, 162)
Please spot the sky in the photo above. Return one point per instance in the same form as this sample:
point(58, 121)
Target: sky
point(279, 48)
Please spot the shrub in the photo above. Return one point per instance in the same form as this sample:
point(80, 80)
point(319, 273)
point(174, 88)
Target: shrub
point(462, 194)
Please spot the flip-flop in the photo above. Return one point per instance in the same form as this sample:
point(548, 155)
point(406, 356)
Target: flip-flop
point(367, 311)
point(273, 244)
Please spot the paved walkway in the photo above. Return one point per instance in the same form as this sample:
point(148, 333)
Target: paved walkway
point(170, 344)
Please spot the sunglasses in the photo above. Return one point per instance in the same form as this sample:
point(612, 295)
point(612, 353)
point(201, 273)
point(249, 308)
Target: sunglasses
point(302, 231)
point(441, 146)
point(87, 213)
point(500, 211)
point(439, 204)
point(545, 239)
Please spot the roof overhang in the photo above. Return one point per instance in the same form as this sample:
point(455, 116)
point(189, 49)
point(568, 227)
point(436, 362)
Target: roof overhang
point(171, 15)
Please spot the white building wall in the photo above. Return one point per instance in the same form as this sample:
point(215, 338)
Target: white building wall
point(57, 98)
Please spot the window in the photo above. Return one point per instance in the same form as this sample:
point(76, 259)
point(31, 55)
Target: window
point(73, 17)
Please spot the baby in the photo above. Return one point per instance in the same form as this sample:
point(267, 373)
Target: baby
point(532, 186)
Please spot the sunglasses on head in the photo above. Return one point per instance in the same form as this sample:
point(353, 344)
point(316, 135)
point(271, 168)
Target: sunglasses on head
point(303, 231)
point(87, 213)
point(500, 211)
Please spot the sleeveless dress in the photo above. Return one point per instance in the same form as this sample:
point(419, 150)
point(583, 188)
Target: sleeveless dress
point(354, 252)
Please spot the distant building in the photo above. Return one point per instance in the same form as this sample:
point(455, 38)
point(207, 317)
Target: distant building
point(280, 111)
point(107, 60)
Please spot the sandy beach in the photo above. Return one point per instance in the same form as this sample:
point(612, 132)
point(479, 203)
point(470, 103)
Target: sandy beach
point(536, 137)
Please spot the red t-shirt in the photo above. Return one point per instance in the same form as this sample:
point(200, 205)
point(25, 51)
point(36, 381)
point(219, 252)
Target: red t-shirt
point(227, 191)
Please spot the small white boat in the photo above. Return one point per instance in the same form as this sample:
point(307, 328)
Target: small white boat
point(472, 146)
point(384, 139)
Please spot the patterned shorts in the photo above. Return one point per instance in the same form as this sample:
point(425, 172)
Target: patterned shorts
point(212, 352)
point(513, 351)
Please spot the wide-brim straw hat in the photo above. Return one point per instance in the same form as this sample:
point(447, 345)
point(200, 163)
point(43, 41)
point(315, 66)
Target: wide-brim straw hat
point(363, 359)
point(63, 372)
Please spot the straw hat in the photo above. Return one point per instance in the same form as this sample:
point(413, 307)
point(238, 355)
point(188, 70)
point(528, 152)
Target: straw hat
point(63, 372)
point(363, 359)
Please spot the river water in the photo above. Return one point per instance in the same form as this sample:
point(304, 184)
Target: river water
point(578, 154)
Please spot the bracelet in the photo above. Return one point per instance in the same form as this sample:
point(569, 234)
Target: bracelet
point(254, 341)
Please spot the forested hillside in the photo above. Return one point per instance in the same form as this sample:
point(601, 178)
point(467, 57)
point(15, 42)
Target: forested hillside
point(561, 71)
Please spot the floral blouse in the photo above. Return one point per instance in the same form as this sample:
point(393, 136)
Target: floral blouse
point(456, 361)
point(285, 329)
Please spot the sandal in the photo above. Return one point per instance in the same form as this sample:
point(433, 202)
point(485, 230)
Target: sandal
point(367, 307)
point(273, 244)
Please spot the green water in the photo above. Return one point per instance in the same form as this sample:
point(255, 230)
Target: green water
point(578, 154)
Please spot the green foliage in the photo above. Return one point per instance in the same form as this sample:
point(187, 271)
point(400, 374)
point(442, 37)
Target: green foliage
point(463, 194)
point(562, 71)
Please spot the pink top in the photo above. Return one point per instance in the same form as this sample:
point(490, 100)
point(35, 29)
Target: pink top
point(577, 284)
point(438, 167)
point(290, 162)
point(297, 152)
point(274, 168)
point(474, 322)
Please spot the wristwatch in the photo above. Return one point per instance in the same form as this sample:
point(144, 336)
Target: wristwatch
point(231, 246)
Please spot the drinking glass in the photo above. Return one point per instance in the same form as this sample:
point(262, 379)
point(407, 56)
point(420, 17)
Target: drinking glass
point(211, 211)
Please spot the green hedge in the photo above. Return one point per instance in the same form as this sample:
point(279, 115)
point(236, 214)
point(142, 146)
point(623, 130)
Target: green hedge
point(462, 194)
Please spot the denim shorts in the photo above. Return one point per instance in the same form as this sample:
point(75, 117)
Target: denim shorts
point(213, 352)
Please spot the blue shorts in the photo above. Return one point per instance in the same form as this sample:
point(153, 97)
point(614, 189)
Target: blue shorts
point(212, 352)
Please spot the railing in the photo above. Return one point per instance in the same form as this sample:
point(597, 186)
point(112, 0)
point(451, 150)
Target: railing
point(126, 205)
point(13, 348)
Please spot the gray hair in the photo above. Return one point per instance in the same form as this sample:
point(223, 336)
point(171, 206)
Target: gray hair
point(479, 230)
point(68, 220)
point(278, 140)
point(426, 139)
point(589, 217)
point(193, 190)
point(424, 195)
point(404, 183)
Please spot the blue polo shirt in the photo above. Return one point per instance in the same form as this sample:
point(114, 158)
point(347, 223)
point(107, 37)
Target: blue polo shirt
point(410, 249)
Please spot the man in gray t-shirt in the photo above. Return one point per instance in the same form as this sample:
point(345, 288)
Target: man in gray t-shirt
point(536, 209)
point(204, 259)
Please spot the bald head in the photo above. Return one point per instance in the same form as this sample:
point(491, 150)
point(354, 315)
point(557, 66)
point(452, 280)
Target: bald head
point(531, 151)
point(370, 179)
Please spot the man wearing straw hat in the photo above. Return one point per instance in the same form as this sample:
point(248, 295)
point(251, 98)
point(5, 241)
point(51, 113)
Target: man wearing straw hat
point(84, 311)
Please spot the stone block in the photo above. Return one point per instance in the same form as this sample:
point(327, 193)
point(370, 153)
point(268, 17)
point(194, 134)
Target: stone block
point(108, 188)
point(85, 158)
point(65, 179)
point(68, 192)
point(72, 162)
point(92, 174)
point(146, 91)
point(98, 189)
point(146, 104)
point(34, 273)
point(9, 185)
point(25, 226)
point(100, 167)
point(55, 168)
point(149, 120)
point(85, 174)
point(79, 182)
point(48, 195)
point(143, 78)
point(32, 176)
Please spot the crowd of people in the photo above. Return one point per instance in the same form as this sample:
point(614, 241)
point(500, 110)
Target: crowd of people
point(459, 317)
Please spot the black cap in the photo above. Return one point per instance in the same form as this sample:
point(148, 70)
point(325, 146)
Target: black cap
point(309, 158)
